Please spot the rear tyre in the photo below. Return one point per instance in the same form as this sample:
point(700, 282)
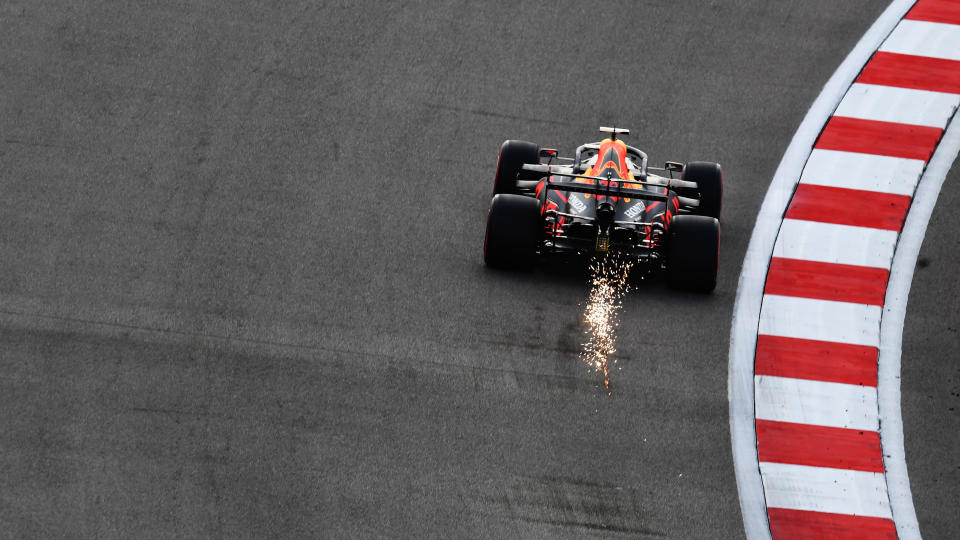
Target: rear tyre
point(513, 229)
point(513, 155)
point(693, 253)
point(709, 179)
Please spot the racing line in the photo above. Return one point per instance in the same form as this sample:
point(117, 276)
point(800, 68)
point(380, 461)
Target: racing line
point(818, 320)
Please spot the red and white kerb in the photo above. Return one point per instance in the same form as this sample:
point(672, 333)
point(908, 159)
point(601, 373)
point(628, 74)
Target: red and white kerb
point(815, 369)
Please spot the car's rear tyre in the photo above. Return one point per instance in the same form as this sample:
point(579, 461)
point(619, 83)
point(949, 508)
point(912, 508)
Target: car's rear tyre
point(513, 230)
point(693, 253)
point(709, 179)
point(513, 155)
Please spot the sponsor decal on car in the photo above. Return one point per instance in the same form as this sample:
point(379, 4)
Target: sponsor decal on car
point(577, 205)
point(634, 210)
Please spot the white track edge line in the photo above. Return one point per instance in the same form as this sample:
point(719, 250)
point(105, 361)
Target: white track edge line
point(746, 311)
point(891, 330)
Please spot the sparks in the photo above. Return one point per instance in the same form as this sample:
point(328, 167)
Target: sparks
point(608, 278)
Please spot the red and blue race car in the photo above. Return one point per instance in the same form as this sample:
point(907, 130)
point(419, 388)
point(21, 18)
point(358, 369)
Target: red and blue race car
point(606, 199)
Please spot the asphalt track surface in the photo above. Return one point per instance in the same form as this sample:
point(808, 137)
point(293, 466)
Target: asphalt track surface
point(930, 371)
point(241, 292)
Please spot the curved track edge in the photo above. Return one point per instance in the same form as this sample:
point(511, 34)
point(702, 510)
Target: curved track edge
point(891, 329)
point(746, 312)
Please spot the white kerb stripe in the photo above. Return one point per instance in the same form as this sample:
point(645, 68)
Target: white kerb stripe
point(922, 38)
point(867, 172)
point(821, 320)
point(822, 489)
point(820, 403)
point(901, 105)
point(831, 243)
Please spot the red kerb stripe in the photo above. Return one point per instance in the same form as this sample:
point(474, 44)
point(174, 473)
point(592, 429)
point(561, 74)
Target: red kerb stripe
point(786, 523)
point(917, 72)
point(816, 360)
point(880, 138)
point(941, 11)
point(844, 206)
point(827, 281)
point(819, 446)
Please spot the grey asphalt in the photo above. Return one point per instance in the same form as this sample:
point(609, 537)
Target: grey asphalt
point(241, 292)
point(930, 370)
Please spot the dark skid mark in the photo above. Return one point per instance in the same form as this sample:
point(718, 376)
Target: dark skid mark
point(31, 143)
point(494, 114)
point(570, 481)
point(573, 503)
point(573, 333)
point(595, 526)
point(530, 346)
point(157, 411)
point(178, 413)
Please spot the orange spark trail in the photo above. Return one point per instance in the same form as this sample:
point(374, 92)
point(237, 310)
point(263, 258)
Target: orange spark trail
point(608, 277)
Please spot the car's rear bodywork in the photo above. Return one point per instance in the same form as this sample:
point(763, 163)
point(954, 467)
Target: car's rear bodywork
point(613, 206)
point(605, 198)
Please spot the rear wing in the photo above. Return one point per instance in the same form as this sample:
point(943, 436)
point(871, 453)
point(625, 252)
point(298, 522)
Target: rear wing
point(614, 131)
point(614, 186)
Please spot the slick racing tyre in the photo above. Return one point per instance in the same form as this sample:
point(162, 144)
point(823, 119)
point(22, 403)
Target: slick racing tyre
point(513, 229)
point(513, 155)
point(693, 253)
point(709, 179)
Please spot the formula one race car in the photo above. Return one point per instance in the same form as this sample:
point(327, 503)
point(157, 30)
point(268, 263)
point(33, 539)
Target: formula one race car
point(606, 199)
